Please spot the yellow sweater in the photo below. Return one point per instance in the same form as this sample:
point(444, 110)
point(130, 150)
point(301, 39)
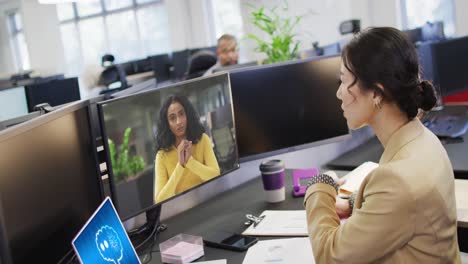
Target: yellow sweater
point(171, 178)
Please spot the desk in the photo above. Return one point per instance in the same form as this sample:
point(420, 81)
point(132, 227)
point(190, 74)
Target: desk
point(227, 212)
point(139, 77)
point(372, 150)
point(461, 194)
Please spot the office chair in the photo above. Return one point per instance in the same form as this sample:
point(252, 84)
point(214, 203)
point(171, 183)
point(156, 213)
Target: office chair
point(113, 74)
point(350, 26)
point(222, 134)
point(200, 62)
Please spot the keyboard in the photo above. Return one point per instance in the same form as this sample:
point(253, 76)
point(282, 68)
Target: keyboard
point(451, 126)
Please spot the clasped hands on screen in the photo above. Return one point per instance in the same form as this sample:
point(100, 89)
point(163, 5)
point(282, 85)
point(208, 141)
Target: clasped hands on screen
point(184, 151)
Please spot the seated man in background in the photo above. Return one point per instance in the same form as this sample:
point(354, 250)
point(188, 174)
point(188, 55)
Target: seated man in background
point(227, 52)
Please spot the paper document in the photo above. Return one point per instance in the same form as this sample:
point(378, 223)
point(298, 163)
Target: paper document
point(280, 223)
point(356, 177)
point(280, 251)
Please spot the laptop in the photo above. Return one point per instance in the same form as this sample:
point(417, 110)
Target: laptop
point(103, 239)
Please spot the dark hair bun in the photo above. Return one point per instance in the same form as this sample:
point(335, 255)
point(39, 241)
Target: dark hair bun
point(428, 98)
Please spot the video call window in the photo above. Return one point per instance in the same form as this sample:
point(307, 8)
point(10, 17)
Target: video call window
point(167, 141)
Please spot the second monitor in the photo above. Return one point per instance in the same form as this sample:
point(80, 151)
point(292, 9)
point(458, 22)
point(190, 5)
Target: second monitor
point(165, 142)
point(282, 106)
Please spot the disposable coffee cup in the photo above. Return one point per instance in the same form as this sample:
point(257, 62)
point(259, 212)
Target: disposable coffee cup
point(273, 180)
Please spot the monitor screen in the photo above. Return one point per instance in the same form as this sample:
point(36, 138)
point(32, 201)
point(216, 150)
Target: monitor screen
point(12, 103)
point(50, 183)
point(55, 92)
point(450, 64)
point(165, 142)
point(236, 66)
point(285, 105)
point(180, 62)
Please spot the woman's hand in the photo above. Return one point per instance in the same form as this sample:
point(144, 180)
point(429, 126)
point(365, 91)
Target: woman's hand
point(335, 177)
point(342, 207)
point(181, 152)
point(188, 150)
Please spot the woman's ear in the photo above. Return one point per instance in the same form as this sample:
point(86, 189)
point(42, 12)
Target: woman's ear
point(378, 94)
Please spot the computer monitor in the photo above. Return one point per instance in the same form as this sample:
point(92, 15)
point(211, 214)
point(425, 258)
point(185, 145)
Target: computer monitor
point(5, 254)
point(50, 183)
point(180, 63)
point(55, 92)
point(287, 106)
point(161, 65)
point(414, 35)
point(450, 65)
point(13, 103)
point(133, 128)
point(236, 66)
point(18, 120)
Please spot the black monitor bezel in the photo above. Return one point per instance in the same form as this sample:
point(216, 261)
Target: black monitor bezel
point(263, 155)
point(56, 114)
point(112, 182)
point(435, 48)
point(5, 252)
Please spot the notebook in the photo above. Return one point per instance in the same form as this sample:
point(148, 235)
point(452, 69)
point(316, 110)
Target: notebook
point(103, 239)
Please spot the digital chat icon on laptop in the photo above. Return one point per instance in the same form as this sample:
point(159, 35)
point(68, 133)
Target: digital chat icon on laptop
point(103, 239)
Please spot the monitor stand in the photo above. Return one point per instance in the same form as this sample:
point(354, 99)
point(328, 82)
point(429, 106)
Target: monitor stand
point(146, 235)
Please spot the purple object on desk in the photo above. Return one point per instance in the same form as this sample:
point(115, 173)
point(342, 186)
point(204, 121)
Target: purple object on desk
point(299, 174)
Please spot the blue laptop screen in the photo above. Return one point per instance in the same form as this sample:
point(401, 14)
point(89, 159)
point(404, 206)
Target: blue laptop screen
point(104, 240)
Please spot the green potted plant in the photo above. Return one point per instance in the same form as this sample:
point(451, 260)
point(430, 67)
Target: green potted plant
point(281, 44)
point(124, 166)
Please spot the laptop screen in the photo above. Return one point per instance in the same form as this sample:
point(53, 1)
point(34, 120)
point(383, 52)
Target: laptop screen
point(103, 239)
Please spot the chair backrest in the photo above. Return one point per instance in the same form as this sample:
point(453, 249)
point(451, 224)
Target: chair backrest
point(200, 62)
point(113, 74)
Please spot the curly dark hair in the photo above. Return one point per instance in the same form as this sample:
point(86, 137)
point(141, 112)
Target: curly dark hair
point(164, 137)
point(384, 55)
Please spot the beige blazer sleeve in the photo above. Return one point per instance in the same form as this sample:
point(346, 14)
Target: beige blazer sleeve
point(383, 223)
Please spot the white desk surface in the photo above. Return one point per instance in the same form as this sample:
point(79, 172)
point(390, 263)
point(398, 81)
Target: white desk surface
point(461, 195)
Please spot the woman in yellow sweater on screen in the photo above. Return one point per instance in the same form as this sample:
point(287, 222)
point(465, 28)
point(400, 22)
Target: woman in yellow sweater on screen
point(184, 154)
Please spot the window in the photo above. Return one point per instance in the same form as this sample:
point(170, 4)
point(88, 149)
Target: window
point(227, 18)
point(18, 42)
point(417, 12)
point(128, 29)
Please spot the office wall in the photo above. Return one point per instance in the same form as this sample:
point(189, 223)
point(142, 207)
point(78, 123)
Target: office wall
point(7, 64)
point(42, 34)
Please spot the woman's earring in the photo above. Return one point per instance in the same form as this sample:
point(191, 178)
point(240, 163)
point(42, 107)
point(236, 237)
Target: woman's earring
point(378, 105)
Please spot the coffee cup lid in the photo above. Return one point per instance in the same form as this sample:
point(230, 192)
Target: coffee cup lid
point(271, 165)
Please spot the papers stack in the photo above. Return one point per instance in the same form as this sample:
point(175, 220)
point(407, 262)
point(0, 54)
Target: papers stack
point(280, 223)
point(281, 251)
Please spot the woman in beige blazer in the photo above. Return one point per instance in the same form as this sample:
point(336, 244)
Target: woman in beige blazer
point(404, 211)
